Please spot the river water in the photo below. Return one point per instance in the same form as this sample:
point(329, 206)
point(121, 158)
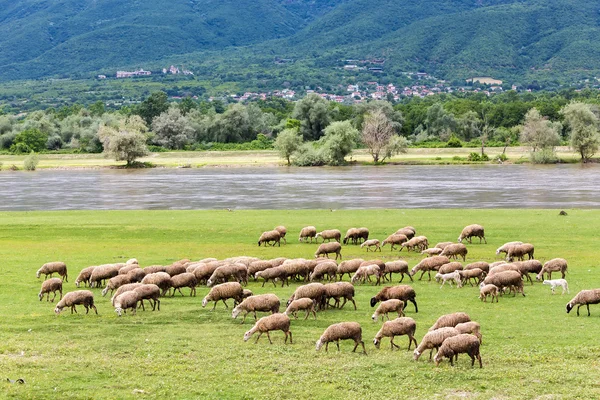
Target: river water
point(392, 186)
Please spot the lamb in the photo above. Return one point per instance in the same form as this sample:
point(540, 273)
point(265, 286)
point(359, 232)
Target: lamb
point(50, 268)
point(433, 251)
point(554, 265)
point(388, 306)
point(270, 236)
point(463, 343)
point(433, 340)
point(51, 285)
point(454, 250)
point(467, 275)
point(75, 298)
point(450, 267)
point(482, 265)
point(342, 331)
point(363, 234)
point(520, 251)
point(273, 274)
point(348, 267)
point(123, 289)
point(585, 297)
point(104, 272)
point(301, 304)
point(450, 320)
point(282, 232)
point(504, 248)
point(84, 276)
point(429, 264)
point(315, 291)
point(471, 231)
point(407, 231)
point(338, 290)
point(160, 279)
point(114, 283)
point(351, 235)
point(328, 248)
point(307, 232)
point(471, 327)
point(369, 244)
point(488, 290)
point(328, 268)
point(510, 279)
point(394, 239)
point(187, 279)
point(400, 292)
point(224, 291)
point(127, 300)
point(329, 234)
point(452, 276)
point(148, 292)
point(262, 302)
point(274, 322)
point(397, 327)
point(364, 272)
point(557, 282)
point(399, 266)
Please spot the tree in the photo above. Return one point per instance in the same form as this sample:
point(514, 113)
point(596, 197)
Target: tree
point(363, 109)
point(339, 140)
point(314, 115)
point(583, 125)
point(172, 129)
point(97, 109)
point(287, 142)
point(378, 134)
point(187, 105)
point(29, 140)
point(538, 132)
point(125, 143)
point(153, 106)
point(439, 123)
point(469, 126)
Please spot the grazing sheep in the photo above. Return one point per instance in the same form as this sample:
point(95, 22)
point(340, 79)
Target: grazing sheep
point(429, 264)
point(342, 331)
point(50, 268)
point(433, 251)
point(84, 276)
point(328, 268)
point(252, 304)
point(488, 290)
point(204, 271)
point(471, 231)
point(452, 276)
point(399, 267)
point(454, 250)
point(364, 272)
point(496, 263)
point(482, 265)
point(363, 234)
point(315, 291)
point(160, 279)
point(418, 242)
point(557, 282)
point(301, 304)
point(443, 245)
point(151, 269)
point(453, 346)
point(329, 248)
point(329, 234)
point(282, 232)
point(467, 275)
point(136, 275)
point(400, 292)
point(506, 279)
point(176, 269)
point(554, 265)
point(338, 290)
point(187, 279)
point(104, 272)
point(450, 320)
point(407, 231)
point(127, 300)
point(270, 236)
point(300, 268)
point(504, 267)
point(388, 306)
point(128, 267)
point(529, 267)
point(433, 340)
point(369, 244)
point(471, 327)
point(450, 267)
point(237, 272)
point(148, 292)
point(307, 232)
point(273, 274)
point(397, 327)
point(351, 235)
point(348, 267)
point(260, 265)
point(114, 283)
point(75, 298)
point(520, 251)
point(123, 289)
point(504, 248)
point(222, 292)
point(51, 285)
point(274, 322)
point(585, 297)
point(394, 239)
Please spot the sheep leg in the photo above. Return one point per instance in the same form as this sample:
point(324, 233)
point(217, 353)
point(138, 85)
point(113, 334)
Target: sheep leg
point(588, 308)
point(402, 277)
point(338, 344)
point(411, 339)
point(95, 309)
point(393, 344)
point(326, 346)
point(258, 337)
point(423, 273)
point(269, 337)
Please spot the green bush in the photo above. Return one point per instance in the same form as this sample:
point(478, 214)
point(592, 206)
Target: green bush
point(31, 161)
point(457, 158)
point(502, 157)
point(308, 156)
point(32, 139)
point(478, 157)
point(454, 142)
point(20, 148)
point(544, 156)
point(157, 149)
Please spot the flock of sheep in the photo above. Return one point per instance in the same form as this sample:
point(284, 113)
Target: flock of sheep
point(130, 285)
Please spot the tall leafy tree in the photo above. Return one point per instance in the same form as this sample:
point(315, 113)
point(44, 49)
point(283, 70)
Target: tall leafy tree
point(314, 115)
point(339, 140)
point(125, 142)
point(153, 106)
point(287, 142)
point(583, 126)
point(172, 129)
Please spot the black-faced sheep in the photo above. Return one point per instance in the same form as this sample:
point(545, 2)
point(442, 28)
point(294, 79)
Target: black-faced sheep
point(585, 297)
point(348, 267)
point(329, 248)
point(282, 232)
point(397, 327)
point(84, 276)
point(342, 331)
point(78, 297)
point(187, 279)
point(127, 300)
point(274, 322)
point(453, 346)
point(301, 304)
point(388, 306)
point(554, 265)
point(270, 236)
point(400, 292)
point(306, 233)
point(454, 250)
point(262, 302)
point(337, 290)
point(329, 234)
point(433, 340)
point(51, 285)
point(450, 320)
point(471, 231)
point(222, 292)
point(50, 268)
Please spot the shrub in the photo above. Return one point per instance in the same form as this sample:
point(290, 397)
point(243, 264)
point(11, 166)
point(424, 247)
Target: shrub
point(478, 157)
point(13, 168)
point(455, 158)
point(308, 156)
point(30, 139)
point(31, 161)
point(54, 143)
point(502, 157)
point(544, 156)
point(454, 142)
point(157, 149)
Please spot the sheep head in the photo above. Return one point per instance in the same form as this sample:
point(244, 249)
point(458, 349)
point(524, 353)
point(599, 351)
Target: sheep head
point(376, 342)
point(204, 301)
point(38, 273)
point(374, 301)
point(236, 311)
point(58, 310)
point(319, 344)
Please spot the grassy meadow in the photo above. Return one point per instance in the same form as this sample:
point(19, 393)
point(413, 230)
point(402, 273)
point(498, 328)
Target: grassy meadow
point(531, 347)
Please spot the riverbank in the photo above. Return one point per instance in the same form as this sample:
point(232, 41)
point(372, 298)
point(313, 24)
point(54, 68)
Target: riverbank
point(198, 159)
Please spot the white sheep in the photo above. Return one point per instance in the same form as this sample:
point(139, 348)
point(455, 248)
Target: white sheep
point(557, 282)
point(369, 244)
point(452, 276)
point(388, 306)
point(273, 322)
point(342, 331)
point(397, 327)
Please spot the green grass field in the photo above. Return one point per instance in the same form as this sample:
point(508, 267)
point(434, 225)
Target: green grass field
point(531, 347)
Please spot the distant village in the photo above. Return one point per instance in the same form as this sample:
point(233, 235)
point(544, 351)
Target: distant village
point(173, 70)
